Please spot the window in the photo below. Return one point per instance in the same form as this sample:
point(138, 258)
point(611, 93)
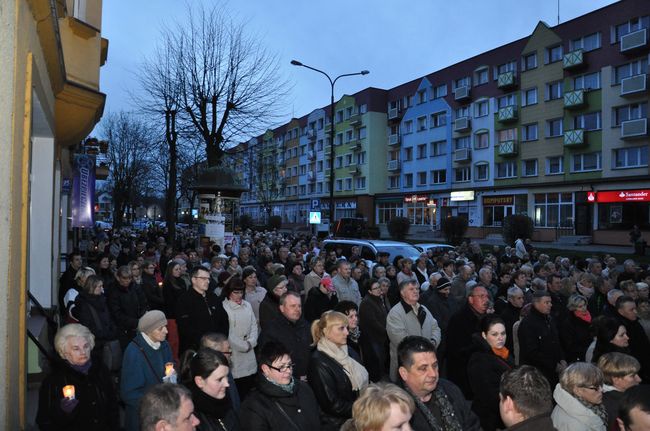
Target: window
point(630, 26)
point(460, 143)
point(422, 123)
point(463, 111)
point(510, 66)
point(481, 140)
point(553, 91)
point(422, 178)
point(586, 43)
point(362, 133)
point(481, 172)
point(529, 168)
point(506, 169)
point(360, 183)
point(629, 112)
point(348, 112)
point(408, 126)
point(554, 128)
point(439, 176)
point(590, 121)
point(349, 134)
point(394, 182)
point(348, 159)
point(529, 97)
point(320, 124)
point(361, 158)
point(348, 184)
point(422, 96)
point(408, 154)
point(630, 69)
point(462, 175)
point(338, 162)
point(421, 151)
point(553, 54)
point(632, 157)
point(440, 91)
point(554, 165)
point(439, 119)
point(586, 162)
point(529, 132)
point(363, 108)
point(481, 76)
point(339, 139)
point(529, 61)
point(339, 185)
point(319, 166)
point(462, 82)
point(589, 81)
point(408, 180)
point(438, 148)
point(481, 109)
point(387, 211)
point(553, 210)
point(507, 100)
point(507, 135)
point(319, 145)
point(339, 116)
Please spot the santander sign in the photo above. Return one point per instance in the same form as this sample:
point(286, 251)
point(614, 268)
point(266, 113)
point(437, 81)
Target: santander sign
point(619, 196)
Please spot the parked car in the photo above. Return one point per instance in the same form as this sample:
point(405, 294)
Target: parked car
point(370, 248)
point(438, 248)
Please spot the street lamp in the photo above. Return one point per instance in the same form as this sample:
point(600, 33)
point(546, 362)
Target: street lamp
point(332, 82)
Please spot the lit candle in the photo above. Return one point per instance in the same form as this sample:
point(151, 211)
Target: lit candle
point(169, 368)
point(68, 392)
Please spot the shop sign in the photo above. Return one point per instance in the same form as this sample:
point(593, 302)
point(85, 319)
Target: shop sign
point(415, 198)
point(467, 195)
point(498, 200)
point(346, 205)
point(619, 196)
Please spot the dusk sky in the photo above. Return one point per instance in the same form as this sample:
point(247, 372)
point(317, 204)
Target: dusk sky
point(397, 41)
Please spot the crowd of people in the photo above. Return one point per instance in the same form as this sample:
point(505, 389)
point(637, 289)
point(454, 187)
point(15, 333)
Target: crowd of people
point(282, 333)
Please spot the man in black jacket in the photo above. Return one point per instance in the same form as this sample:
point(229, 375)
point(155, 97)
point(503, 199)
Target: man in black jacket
point(511, 312)
point(127, 303)
point(639, 344)
point(67, 281)
point(439, 404)
point(525, 400)
point(199, 311)
point(539, 341)
point(291, 330)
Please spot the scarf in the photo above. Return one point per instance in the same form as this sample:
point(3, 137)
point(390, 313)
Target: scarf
point(153, 344)
point(449, 419)
point(83, 369)
point(587, 292)
point(502, 353)
point(583, 315)
point(287, 388)
point(355, 371)
point(597, 409)
point(354, 334)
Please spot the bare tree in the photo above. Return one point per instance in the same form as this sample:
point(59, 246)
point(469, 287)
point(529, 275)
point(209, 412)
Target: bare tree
point(128, 139)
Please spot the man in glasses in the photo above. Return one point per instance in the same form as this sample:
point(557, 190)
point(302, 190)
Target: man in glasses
point(127, 303)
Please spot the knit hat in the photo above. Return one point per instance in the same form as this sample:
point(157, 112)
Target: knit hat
point(151, 320)
point(274, 281)
point(247, 271)
point(443, 283)
point(326, 282)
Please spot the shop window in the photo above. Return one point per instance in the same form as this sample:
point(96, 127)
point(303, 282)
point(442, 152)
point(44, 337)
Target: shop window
point(553, 210)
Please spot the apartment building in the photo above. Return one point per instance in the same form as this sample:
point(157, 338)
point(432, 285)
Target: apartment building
point(554, 125)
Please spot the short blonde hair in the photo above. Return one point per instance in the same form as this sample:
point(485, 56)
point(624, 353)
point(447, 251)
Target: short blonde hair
point(574, 302)
point(617, 364)
point(328, 319)
point(372, 409)
point(580, 375)
point(69, 331)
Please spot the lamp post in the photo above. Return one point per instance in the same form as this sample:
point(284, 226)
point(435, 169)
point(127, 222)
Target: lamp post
point(332, 82)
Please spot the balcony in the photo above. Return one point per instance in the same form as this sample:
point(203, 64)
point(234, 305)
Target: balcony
point(507, 114)
point(508, 148)
point(632, 129)
point(327, 150)
point(328, 128)
point(631, 43)
point(311, 155)
point(574, 138)
point(394, 114)
point(463, 155)
point(311, 176)
point(573, 59)
point(393, 139)
point(354, 170)
point(355, 145)
point(393, 165)
point(506, 80)
point(574, 99)
point(355, 120)
point(462, 93)
point(462, 124)
point(311, 134)
point(634, 85)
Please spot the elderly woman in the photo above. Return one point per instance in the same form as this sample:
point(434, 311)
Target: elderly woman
point(575, 330)
point(312, 280)
point(334, 376)
point(620, 372)
point(280, 401)
point(242, 335)
point(406, 271)
point(94, 404)
point(276, 286)
point(579, 398)
point(145, 363)
point(381, 407)
point(71, 295)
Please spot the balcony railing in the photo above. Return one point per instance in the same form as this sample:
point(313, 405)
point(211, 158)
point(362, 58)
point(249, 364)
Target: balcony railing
point(506, 80)
point(631, 43)
point(632, 129)
point(463, 155)
point(508, 148)
point(574, 99)
point(634, 85)
point(573, 59)
point(462, 124)
point(355, 120)
point(462, 93)
point(393, 139)
point(574, 138)
point(507, 114)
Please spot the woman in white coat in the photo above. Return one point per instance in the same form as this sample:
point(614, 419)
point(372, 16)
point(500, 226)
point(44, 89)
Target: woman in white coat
point(242, 335)
point(579, 398)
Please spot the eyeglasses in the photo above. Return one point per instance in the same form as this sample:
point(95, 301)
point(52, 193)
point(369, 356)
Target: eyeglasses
point(283, 368)
point(377, 287)
point(594, 388)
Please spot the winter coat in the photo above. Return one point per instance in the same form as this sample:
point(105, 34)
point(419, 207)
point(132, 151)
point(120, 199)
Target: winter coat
point(441, 307)
point(173, 288)
point(332, 388)
point(142, 367)
point(611, 401)
point(197, 315)
point(402, 321)
point(269, 309)
point(317, 303)
point(374, 339)
point(97, 408)
point(102, 327)
point(214, 414)
point(639, 344)
point(539, 344)
point(312, 281)
point(242, 337)
point(347, 290)
point(271, 408)
point(153, 292)
point(510, 315)
point(536, 423)
point(255, 298)
point(295, 336)
point(571, 415)
point(462, 325)
point(484, 372)
point(127, 305)
point(575, 335)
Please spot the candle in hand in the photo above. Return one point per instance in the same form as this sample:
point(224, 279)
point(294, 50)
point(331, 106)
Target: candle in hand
point(169, 368)
point(68, 392)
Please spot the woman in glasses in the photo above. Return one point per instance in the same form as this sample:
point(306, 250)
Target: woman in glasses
point(279, 402)
point(579, 398)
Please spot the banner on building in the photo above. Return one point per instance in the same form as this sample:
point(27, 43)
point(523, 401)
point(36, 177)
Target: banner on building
point(498, 200)
point(619, 196)
point(83, 190)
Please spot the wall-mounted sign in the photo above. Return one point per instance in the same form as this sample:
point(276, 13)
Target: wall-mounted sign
point(415, 198)
point(619, 196)
point(346, 205)
point(466, 195)
point(498, 200)
point(314, 217)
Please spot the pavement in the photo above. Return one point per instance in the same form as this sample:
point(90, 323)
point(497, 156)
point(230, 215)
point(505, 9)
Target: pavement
point(584, 248)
